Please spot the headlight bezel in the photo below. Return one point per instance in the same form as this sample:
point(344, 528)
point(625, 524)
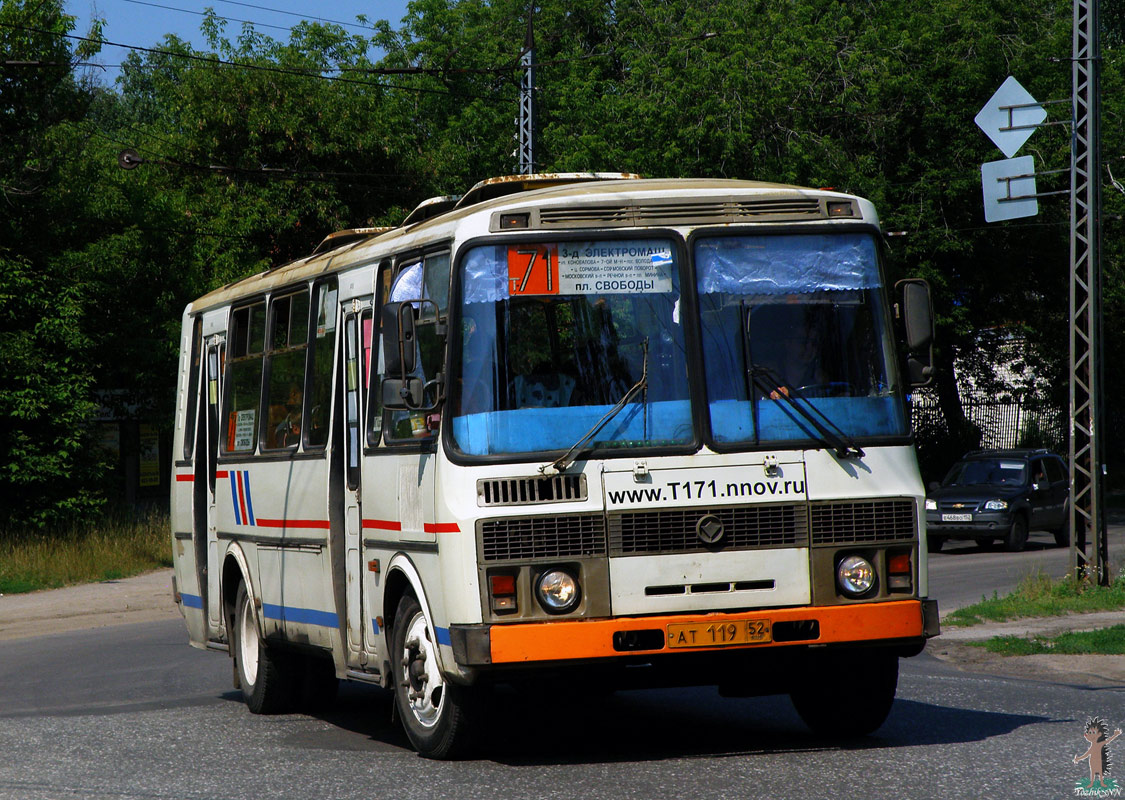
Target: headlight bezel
point(996, 505)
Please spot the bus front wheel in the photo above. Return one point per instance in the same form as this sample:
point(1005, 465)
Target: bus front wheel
point(846, 694)
point(264, 675)
point(433, 711)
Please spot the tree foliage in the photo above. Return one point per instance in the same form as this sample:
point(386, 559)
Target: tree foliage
point(255, 148)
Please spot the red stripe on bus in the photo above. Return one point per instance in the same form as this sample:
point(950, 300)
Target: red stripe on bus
point(441, 527)
point(322, 524)
point(222, 474)
point(185, 478)
point(242, 499)
point(382, 524)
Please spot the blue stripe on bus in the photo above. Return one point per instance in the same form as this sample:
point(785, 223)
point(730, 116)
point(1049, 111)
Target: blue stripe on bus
point(443, 636)
point(249, 505)
point(191, 600)
point(375, 626)
point(234, 496)
point(308, 616)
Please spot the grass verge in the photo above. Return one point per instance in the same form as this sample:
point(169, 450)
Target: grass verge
point(109, 549)
point(1106, 641)
point(1040, 595)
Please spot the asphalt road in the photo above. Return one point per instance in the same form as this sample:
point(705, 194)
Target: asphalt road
point(963, 572)
point(131, 711)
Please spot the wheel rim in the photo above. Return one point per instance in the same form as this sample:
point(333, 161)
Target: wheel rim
point(247, 643)
point(421, 678)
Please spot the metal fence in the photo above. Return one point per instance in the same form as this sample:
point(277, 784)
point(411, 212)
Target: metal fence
point(1003, 421)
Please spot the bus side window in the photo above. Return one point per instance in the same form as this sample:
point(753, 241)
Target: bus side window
point(325, 309)
point(192, 391)
point(373, 349)
point(244, 378)
point(428, 281)
point(285, 392)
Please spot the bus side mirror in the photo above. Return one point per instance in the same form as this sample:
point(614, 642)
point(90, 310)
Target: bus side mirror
point(399, 344)
point(404, 393)
point(916, 314)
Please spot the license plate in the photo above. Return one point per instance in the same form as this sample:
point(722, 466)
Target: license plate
point(956, 517)
point(718, 634)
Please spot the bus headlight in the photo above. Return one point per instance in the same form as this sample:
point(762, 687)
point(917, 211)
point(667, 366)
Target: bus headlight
point(557, 591)
point(855, 576)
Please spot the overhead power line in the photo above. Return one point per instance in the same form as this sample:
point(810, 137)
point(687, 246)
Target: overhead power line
point(204, 14)
point(213, 61)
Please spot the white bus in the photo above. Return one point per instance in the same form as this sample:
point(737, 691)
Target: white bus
point(589, 426)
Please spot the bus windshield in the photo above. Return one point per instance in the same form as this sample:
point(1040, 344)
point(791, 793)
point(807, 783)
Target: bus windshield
point(795, 340)
point(554, 334)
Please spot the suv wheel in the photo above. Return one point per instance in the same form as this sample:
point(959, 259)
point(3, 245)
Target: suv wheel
point(1017, 535)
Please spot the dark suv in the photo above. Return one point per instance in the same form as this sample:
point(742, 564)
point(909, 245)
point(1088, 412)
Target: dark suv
point(1000, 494)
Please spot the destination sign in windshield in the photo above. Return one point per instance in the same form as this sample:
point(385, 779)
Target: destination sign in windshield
point(617, 267)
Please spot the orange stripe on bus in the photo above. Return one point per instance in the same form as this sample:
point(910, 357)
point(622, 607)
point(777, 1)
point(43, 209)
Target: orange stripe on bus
point(576, 639)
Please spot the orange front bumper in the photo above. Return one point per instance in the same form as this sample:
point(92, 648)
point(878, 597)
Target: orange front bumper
point(583, 639)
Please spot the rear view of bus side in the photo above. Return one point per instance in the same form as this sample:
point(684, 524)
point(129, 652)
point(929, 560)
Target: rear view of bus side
point(612, 431)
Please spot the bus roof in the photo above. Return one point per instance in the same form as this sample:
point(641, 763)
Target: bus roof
point(347, 247)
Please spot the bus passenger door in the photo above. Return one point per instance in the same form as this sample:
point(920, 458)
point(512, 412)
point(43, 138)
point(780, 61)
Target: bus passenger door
point(356, 315)
point(210, 576)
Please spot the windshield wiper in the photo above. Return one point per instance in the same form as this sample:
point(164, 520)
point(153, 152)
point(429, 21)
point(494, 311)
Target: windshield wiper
point(568, 458)
point(769, 381)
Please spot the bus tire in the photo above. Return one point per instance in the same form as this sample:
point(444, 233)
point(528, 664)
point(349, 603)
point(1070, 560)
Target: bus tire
point(265, 676)
point(847, 694)
point(433, 711)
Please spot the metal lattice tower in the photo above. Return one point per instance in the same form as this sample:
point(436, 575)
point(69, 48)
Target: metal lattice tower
point(527, 102)
point(1089, 549)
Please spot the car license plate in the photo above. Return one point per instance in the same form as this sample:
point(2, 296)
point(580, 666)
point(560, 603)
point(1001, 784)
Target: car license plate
point(956, 517)
point(718, 634)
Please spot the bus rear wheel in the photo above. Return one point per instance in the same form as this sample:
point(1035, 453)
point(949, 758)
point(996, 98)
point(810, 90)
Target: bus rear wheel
point(434, 712)
point(265, 676)
point(847, 693)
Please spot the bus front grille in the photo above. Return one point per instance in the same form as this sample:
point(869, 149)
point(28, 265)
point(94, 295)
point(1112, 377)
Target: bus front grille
point(526, 491)
point(677, 530)
point(562, 536)
point(852, 522)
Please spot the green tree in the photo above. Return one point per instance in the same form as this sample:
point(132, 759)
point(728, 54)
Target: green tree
point(49, 467)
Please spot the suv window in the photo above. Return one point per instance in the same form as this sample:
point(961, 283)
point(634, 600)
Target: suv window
point(1056, 470)
point(988, 472)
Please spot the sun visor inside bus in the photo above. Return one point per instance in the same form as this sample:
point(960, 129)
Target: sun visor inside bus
point(486, 274)
point(408, 285)
point(790, 264)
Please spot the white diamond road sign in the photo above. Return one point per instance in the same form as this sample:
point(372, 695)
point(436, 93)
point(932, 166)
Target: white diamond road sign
point(1009, 189)
point(1010, 117)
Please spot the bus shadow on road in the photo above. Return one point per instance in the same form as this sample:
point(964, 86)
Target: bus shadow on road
point(540, 729)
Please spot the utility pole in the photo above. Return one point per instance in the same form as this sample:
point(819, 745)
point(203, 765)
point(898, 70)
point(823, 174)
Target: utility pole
point(1089, 547)
point(527, 99)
